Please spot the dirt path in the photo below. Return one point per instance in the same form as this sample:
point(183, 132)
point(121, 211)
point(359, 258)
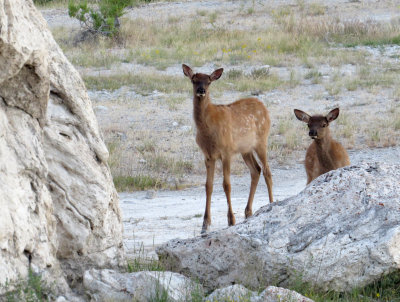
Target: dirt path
point(149, 222)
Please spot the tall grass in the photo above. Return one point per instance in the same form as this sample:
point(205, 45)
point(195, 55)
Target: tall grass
point(31, 289)
point(386, 288)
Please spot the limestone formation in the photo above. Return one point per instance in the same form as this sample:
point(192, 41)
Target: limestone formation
point(59, 209)
point(342, 231)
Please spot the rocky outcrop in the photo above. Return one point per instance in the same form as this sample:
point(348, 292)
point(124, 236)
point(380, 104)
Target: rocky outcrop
point(238, 292)
point(109, 285)
point(59, 209)
point(342, 231)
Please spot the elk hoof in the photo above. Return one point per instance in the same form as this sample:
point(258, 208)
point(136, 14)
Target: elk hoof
point(248, 213)
point(231, 220)
point(205, 227)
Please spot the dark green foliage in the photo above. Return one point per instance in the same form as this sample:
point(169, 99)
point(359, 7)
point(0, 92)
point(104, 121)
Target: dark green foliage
point(103, 19)
point(41, 2)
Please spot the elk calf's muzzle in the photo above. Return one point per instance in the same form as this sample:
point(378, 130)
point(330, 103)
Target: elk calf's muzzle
point(312, 133)
point(201, 91)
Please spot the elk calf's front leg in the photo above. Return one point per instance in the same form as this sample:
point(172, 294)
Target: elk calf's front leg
point(210, 166)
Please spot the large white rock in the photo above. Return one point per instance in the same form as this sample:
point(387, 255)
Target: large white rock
point(239, 293)
point(59, 209)
point(342, 231)
point(234, 293)
point(109, 285)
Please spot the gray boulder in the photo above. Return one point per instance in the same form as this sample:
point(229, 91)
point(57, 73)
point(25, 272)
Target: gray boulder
point(342, 231)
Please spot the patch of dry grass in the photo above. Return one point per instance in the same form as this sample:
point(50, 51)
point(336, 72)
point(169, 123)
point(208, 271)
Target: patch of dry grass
point(259, 80)
point(333, 30)
point(143, 83)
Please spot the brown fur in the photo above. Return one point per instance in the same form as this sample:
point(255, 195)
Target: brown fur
point(324, 154)
point(224, 130)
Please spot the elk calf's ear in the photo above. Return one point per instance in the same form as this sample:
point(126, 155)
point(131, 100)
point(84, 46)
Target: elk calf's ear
point(302, 116)
point(331, 116)
point(216, 74)
point(187, 71)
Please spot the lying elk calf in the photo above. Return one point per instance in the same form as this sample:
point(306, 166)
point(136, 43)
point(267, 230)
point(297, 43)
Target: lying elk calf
point(224, 130)
point(324, 154)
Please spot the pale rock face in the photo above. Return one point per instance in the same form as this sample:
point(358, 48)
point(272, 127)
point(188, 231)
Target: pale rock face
point(109, 285)
point(240, 293)
point(59, 209)
point(342, 231)
point(279, 294)
point(235, 292)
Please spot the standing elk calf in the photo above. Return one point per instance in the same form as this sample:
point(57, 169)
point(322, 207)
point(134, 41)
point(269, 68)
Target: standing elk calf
point(224, 130)
point(324, 154)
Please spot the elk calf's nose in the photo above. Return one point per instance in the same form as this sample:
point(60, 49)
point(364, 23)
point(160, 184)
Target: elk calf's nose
point(312, 133)
point(201, 90)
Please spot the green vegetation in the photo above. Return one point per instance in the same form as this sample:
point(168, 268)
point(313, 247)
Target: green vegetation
point(385, 289)
point(137, 183)
point(103, 19)
point(166, 164)
point(31, 289)
point(147, 83)
point(144, 264)
point(349, 33)
point(143, 83)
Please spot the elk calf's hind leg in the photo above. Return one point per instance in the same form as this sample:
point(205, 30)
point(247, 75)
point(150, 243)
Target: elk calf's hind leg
point(255, 171)
point(226, 166)
point(262, 155)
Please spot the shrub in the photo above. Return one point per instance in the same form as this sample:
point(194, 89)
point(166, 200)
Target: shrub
point(103, 19)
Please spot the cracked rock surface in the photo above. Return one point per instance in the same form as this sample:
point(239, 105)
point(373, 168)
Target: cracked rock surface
point(342, 231)
point(59, 209)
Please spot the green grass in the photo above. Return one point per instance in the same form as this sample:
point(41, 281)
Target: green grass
point(137, 183)
point(385, 289)
point(31, 289)
point(162, 163)
point(101, 58)
point(314, 76)
point(64, 3)
point(142, 263)
point(333, 30)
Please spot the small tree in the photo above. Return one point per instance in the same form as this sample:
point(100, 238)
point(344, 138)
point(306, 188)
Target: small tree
point(103, 19)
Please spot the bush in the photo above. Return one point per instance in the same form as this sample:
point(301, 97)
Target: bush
point(103, 19)
point(41, 2)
